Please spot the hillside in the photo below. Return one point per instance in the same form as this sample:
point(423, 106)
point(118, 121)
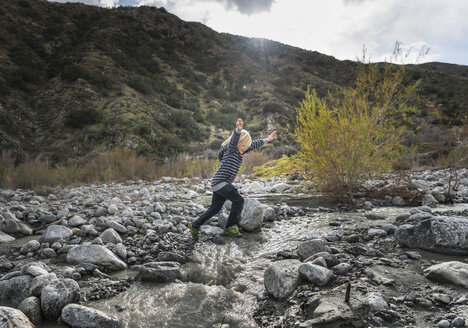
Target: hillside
point(78, 80)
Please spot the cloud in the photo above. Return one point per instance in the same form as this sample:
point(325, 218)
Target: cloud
point(250, 7)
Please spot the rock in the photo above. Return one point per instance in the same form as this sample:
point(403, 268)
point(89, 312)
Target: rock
point(36, 271)
point(121, 251)
point(443, 324)
point(47, 217)
point(330, 259)
point(160, 272)
point(9, 224)
point(446, 235)
point(55, 233)
point(308, 248)
point(374, 216)
point(13, 318)
point(421, 184)
point(110, 236)
point(282, 278)
point(56, 295)
point(171, 257)
point(430, 201)
point(315, 274)
point(95, 254)
point(79, 316)
point(279, 188)
point(320, 261)
point(30, 246)
point(255, 187)
point(252, 215)
point(377, 302)
point(31, 307)
point(62, 213)
point(452, 272)
point(14, 290)
point(5, 238)
point(342, 268)
point(398, 201)
point(373, 232)
point(458, 322)
point(420, 216)
point(117, 226)
point(76, 221)
point(268, 213)
point(112, 209)
point(40, 282)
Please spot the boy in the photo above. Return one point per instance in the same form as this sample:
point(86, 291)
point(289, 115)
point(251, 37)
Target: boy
point(230, 156)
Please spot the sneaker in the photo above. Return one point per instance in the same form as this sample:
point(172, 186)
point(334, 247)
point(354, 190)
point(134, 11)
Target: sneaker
point(232, 231)
point(194, 231)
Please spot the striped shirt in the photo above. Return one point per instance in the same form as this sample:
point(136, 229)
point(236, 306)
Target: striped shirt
point(231, 161)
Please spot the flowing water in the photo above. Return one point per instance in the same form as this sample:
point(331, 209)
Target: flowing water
point(221, 282)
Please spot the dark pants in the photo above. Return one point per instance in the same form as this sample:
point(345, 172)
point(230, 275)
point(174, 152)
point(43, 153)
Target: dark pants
point(219, 198)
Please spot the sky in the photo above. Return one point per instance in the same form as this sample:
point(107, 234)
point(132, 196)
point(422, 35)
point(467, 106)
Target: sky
point(340, 28)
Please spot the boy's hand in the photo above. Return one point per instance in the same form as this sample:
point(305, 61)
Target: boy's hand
point(239, 124)
point(272, 136)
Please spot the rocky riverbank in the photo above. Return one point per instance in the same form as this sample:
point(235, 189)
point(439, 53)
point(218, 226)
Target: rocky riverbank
point(61, 251)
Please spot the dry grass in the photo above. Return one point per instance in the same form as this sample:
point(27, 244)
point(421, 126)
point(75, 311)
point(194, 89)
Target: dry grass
point(184, 165)
point(252, 160)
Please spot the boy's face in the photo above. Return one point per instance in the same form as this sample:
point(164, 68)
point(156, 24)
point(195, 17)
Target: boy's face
point(241, 149)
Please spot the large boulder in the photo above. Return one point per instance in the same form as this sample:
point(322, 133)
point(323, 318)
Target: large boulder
point(282, 278)
point(95, 254)
point(56, 295)
point(14, 290)
point(453, 272)
point(447, 235)
point(79, 316)
point(317, 275)
point(160, 271)
point(55, 233)
point(11, 317)
point(310, 247)
point(252, 215)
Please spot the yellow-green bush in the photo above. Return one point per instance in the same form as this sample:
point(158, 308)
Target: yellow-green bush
point(347, 136)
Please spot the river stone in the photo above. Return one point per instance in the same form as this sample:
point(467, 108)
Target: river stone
point(330, 259)
point(55, 233)
point(40, 282)
point(316, 274)
point(342, 268)
point(11, 225)
point(36, 271)
point(252, 215)
point(14, 290)
point(268, 213)
point(112, 209)
point(282, 278)
point(430, 201)
point(79, 316)
point(56, 295)
point(421, 184)
point(310, 247)
point(160, 271)
point(121, 251)
point(95, 254)
point(31, 307)
point(170, 257)
point(110, 236)
point(47, 217)
point(420, 216)
point(398, 201)
point(279, 187)
point(30, 246)
point(255, 187)
point(117, 226)
point(13, 318)
point(377, 302)
point(76, 221)
point(452, 272)
point(5, 238)
point(62, 213)
point(446, 235)
point(373, 232)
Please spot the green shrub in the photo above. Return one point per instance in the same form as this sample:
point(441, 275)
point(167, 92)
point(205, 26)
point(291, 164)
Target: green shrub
point(272, 108)
point(81, 118)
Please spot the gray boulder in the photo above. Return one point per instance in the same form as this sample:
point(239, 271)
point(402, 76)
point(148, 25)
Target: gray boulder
point(170, 257)
point(255, 187)
point(447, 235)
point(31, 307)
point(160, 271)
point(30, 246)
point(268, 213)
point(5, 238)
point(79, 316)
point(116, 226)
point(282, 278)
point(252, 215)
point(377, 302)
point(110, 236)
point(76, 221)
point(56, 295)
point(13, 318)
point(317, 275)
point(14, 290)
point(310, 247)
point(430, 201)
point(452, 272)
point(95, 254)
point(40, 282)
point(11, 225)
point(56, 233)
point(279, 187)
point(330, 259)
point(47, 217)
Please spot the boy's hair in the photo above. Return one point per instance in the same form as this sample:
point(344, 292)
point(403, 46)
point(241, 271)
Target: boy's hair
point(244, 140)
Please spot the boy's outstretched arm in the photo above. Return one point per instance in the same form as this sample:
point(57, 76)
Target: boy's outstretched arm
point(260, 142)
point(236, 135)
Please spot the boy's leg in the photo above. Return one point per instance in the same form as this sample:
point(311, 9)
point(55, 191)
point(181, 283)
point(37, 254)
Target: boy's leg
point(230, 192)
point(217, 202)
